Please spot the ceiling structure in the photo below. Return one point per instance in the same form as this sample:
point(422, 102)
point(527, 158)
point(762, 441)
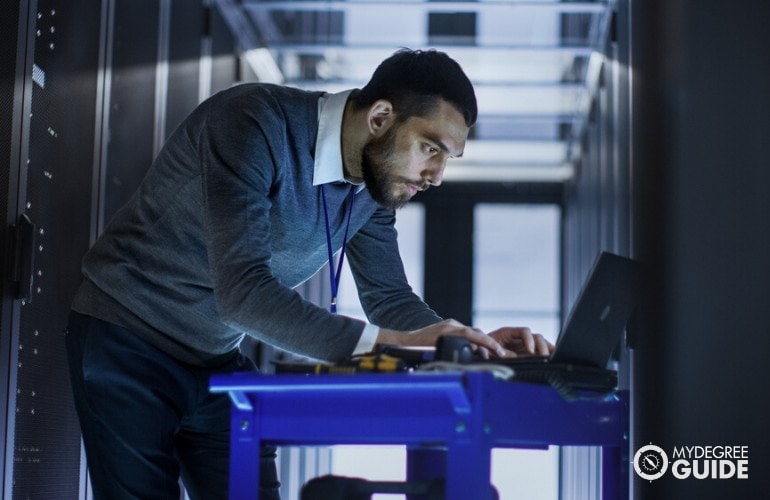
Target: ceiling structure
point(534, 65)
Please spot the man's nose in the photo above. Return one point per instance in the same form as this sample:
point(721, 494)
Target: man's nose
point(435, 176)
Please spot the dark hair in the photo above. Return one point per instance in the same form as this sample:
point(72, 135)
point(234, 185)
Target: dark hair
point(414, 81)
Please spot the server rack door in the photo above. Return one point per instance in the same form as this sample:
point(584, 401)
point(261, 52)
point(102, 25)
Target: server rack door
point(50, 190)
point(12, 41)
point(87, 97)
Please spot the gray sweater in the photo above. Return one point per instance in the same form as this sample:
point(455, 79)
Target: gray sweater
point(226, 223)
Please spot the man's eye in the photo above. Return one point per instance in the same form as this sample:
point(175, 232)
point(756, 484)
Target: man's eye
point(430, 149)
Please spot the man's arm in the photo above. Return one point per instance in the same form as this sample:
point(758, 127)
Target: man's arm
point(385, 294)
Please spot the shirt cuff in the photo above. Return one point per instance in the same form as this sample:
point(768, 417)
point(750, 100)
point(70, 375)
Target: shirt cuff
point(367, 340)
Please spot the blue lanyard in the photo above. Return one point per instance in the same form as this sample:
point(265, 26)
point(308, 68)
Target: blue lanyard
point(335, 275)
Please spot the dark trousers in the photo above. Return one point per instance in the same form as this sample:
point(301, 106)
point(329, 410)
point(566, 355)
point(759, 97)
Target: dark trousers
point(148, 419)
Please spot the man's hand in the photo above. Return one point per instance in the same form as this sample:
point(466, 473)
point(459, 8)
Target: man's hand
point(503, 342)
point(520, 341)
point(429, 335)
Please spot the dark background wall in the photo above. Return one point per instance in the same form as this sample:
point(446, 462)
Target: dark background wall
point(701, 166)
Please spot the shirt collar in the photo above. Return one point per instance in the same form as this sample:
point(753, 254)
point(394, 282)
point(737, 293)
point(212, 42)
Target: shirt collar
point(327, 167)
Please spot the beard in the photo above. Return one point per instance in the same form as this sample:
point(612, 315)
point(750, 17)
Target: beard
point(379, 167)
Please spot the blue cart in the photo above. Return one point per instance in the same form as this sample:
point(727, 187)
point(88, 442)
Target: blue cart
point(448, 421)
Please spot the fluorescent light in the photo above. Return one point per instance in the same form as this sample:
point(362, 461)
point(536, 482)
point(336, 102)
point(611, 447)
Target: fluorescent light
point(508, 173)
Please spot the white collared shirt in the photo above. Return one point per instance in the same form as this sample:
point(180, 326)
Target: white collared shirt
point(328, 168)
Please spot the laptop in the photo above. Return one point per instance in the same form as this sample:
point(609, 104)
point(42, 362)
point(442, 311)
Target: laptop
point(590, 333)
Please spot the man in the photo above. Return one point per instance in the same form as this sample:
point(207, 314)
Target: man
point(254, 192)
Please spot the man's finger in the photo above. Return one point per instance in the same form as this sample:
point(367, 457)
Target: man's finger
point(542, 345)
point(528, 340)
point(483, 340)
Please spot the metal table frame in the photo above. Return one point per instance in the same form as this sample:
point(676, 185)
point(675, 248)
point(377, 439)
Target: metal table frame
point(448, 421)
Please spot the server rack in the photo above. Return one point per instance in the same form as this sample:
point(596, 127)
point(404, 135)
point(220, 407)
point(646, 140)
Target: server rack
point(89, 90)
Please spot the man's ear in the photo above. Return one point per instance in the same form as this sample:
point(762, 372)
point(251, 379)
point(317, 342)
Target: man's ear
point(380, 117)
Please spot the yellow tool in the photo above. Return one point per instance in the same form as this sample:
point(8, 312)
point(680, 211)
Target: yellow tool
point(365, 363)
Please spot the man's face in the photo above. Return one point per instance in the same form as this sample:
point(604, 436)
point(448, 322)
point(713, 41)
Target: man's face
point(410, 156)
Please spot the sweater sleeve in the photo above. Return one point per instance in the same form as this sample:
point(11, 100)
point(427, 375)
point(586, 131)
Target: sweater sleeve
point(383, 289)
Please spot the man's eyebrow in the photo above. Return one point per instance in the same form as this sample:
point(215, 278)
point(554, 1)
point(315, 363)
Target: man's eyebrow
point(442, 145)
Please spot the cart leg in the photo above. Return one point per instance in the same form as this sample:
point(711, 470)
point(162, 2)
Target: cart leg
point(244, 456)
point(425, 464)
point(468, 472)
